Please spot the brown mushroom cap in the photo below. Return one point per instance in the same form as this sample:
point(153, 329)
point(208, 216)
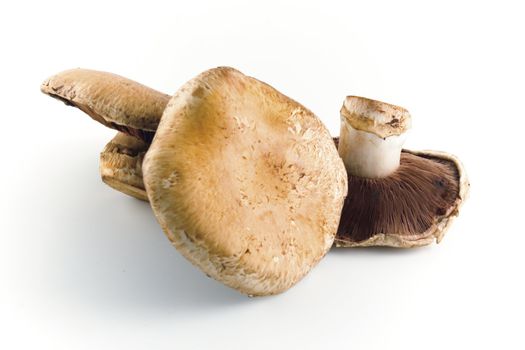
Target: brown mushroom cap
point(253, 194)
point(121, 165)
point(110, 99)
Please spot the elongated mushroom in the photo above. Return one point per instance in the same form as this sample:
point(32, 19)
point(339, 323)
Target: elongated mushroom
point(119, 103)
point(114, 101)
point(254, 191)
point(121, 165)
point(396, 197)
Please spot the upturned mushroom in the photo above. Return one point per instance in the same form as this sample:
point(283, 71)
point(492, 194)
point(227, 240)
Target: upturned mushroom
point(114, 101)
point(254, 191)
point(396, 197)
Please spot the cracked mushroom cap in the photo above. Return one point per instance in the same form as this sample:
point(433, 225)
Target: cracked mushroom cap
point(116, 102)
point(254, 192)
point(414, 205)
point(121, 165)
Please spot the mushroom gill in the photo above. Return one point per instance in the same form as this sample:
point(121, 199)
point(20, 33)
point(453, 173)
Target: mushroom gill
point(410, 201)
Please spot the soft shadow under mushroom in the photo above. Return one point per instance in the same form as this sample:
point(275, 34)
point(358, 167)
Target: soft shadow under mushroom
point(112, 255)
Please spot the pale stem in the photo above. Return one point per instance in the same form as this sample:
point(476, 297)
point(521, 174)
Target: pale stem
point(367, 155)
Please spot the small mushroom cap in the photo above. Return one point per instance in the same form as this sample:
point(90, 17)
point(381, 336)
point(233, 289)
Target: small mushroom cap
point(121, 165)
point(376, 117)
point(429, 198)
point(110, 99)
point(245, 182)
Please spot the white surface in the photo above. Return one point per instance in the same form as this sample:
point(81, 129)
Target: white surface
point(84, 267)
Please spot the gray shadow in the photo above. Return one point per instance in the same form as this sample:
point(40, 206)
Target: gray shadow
point(112, 254)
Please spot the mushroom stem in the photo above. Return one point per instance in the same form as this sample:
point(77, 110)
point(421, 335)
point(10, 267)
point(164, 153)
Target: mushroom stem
point(372, 136)
point(367, 155)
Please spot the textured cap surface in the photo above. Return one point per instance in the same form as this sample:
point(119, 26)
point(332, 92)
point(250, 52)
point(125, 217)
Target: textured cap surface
point(245, 182)
point(112, 100)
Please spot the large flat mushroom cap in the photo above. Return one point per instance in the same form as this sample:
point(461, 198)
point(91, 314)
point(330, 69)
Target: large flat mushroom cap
point(121, 165)
point(110, 99)
point(245, 182)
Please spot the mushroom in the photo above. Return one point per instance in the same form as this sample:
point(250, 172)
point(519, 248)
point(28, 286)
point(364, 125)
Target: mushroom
point(253, 194)
point(115, 101)
point(119, 103)
point(121, 165)
point(372, 138)
point(396, 197)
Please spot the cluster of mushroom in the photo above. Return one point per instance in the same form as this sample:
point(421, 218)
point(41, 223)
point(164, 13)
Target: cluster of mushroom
point(249, 185)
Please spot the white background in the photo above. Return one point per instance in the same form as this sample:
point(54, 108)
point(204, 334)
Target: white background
point(85, 267)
